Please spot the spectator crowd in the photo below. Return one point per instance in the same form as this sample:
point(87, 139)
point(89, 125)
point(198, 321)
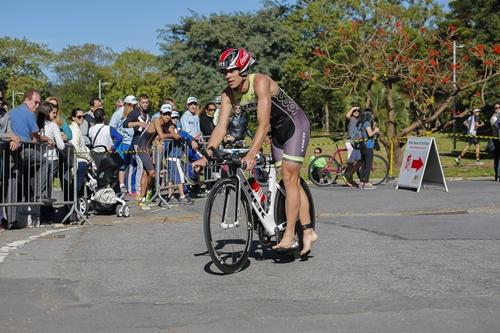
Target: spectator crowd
point(136, 129)
point(130, 135)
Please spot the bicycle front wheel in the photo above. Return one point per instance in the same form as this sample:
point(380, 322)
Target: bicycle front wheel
point(326, 173)
point(227, 226)
point(379, 171)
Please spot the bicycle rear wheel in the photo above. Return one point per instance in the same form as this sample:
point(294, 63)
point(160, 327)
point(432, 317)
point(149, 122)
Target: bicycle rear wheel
point(326, 174)
point(228, 240)
point(379, 171)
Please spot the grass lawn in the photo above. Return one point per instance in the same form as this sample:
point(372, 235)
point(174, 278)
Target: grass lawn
point(467, 169)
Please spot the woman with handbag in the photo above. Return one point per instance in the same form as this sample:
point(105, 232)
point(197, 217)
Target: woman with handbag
point(369, 132)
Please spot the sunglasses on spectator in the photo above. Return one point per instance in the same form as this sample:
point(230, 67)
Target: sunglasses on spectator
point(211, 109)
point(79, 117)
point(192, 103)
point(175, 117)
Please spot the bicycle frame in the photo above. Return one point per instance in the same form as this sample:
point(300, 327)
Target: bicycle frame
point(337, 156)
point(266, 218)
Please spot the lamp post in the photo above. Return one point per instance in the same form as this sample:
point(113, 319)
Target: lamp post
point(101, 84)
point(455, 86)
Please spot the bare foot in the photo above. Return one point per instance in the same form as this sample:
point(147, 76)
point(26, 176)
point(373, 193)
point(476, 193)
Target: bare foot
point(309, 238)
point(284, 244)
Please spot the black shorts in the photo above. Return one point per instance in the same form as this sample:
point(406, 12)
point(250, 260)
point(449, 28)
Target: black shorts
point(472, 140)
point(146, 159)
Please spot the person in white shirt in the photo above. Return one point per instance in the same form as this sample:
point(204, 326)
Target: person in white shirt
point(472, 123)
point(102, 135)
point(81, 150)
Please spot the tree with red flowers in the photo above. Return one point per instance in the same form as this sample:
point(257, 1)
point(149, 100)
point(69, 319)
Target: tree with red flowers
point(395, 52)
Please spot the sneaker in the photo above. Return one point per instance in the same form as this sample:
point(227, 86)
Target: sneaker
point(172, 200)
point(478, 162)
point(149, 194)
point(186, 201)
point(367, 186)
point(457, 161)
point(144, 204)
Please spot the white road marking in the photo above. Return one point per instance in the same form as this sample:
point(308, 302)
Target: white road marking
point(6, 249)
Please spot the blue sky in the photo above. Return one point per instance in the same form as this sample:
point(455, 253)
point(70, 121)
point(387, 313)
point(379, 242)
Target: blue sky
point(118, 24)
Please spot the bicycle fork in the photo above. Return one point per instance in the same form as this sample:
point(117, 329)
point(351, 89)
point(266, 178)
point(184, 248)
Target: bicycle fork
point(227, 199)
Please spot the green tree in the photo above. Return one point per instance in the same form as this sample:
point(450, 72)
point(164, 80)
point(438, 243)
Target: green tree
point(477, 23)
point(136, 72)
point(21, 66)
point(78, 69)
point(191, 48)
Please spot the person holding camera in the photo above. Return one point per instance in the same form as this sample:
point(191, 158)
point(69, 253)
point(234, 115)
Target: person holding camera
point(370, 133)
point(472, 123)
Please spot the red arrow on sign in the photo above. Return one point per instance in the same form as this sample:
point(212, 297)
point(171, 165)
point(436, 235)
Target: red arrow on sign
point(417, 164)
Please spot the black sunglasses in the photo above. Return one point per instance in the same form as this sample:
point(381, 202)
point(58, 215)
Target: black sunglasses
point(211, 109)
point(79, 117)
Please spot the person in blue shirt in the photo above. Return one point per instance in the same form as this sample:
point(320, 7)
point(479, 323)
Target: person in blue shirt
point(176, 170)
point(190, 122)
point(24, 125)
point(117, 120)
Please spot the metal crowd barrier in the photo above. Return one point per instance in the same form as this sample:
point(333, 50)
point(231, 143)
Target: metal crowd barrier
point(173, 167)
point(27, 177)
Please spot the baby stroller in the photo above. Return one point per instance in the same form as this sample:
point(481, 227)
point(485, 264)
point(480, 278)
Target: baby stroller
point(99, 192)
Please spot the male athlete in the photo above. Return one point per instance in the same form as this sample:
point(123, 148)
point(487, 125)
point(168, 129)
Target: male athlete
point(289, 133)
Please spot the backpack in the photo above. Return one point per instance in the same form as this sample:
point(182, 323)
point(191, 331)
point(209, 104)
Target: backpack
point(357, 139)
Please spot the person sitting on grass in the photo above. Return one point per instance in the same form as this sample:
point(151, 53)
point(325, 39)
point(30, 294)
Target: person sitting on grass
point(318, 164)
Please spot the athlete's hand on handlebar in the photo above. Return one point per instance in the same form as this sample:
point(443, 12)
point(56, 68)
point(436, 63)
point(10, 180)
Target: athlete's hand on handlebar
point(248, 162)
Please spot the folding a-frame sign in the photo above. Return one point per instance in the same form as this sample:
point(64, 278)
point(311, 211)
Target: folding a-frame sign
point(421, 164)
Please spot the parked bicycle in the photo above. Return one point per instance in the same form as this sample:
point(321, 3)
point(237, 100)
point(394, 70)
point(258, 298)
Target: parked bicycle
point(234, 210)
point(325, 170)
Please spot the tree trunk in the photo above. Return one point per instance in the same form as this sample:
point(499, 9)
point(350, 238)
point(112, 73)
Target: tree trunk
point(326, 118)
point(392, 130)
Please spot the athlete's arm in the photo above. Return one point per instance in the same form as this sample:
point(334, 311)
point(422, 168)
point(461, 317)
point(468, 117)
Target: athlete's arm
point(262, 88)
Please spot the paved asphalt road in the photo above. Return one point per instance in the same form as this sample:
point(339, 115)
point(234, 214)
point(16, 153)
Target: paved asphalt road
point(387, 261)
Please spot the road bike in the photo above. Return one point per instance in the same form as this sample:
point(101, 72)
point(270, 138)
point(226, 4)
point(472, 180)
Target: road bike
point(233, 211)
point(325, 170)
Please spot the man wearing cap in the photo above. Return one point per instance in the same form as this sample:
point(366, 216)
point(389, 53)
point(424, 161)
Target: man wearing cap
point(472, 123)
point(217, 101)
point(190, 122)
point(117, 120)
point(139, 120)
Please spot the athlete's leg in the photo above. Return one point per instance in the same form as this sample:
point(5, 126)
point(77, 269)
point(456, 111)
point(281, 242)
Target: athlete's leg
point(309, 235)
point(290, 172)
point(478, 149)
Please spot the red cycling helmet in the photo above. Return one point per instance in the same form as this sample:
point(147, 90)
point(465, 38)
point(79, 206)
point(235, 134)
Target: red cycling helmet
point(232, 58)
